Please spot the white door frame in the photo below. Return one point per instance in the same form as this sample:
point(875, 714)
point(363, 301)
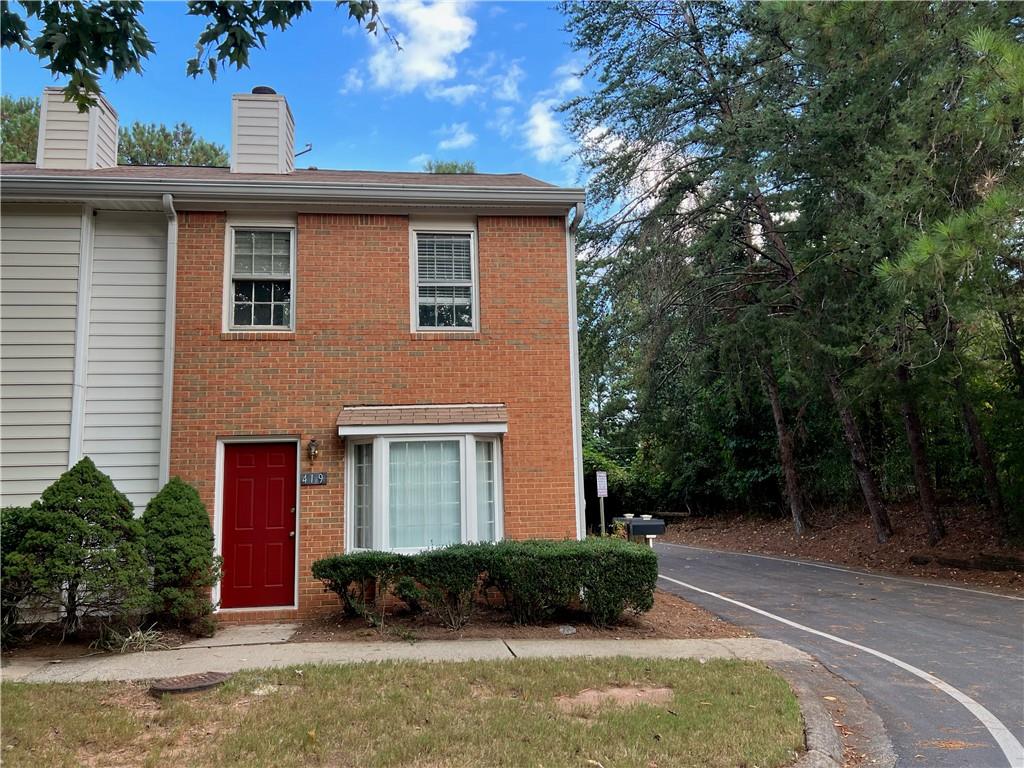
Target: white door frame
point(218, 513)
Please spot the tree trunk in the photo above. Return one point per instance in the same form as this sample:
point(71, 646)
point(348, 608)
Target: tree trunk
point(981, 452)
point(786, 452)
point(859, 458)
point(984, 456)
point(1013, 349)
point(919, 459)
point(69, 625)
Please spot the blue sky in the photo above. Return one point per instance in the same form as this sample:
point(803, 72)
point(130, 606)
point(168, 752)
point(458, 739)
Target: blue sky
point(474, 81)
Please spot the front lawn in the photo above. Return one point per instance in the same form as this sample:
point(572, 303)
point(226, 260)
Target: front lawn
point(507, 713)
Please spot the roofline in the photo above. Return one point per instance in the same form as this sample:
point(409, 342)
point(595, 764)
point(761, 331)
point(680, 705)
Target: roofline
point(201, 192)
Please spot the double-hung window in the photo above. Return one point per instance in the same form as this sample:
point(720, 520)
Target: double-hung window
point(262, 279)
point(445, 281)
point(409, 493)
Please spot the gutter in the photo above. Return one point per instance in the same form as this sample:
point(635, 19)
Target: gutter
point(170, 304)
point(220, 193)
point(574, 371)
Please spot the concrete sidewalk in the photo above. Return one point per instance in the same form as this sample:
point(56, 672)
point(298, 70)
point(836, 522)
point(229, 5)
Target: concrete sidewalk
point(206, 657)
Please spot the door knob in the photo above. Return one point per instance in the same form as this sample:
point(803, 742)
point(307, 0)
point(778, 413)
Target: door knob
point(291, 534)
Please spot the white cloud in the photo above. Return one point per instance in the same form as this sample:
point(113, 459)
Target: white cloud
point(431, 36)
point(419, 160)
point(455, 136)
point(544, 134)
point(506, 86)
point(502, 121)
point(353, 82)
point(569, 81)
point(456, 94)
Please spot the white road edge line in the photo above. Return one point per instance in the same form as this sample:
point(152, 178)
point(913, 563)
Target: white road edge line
point(870, 574)
point(1012, 748)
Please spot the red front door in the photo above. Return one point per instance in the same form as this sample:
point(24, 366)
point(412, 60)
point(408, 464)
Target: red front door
point(259, 525)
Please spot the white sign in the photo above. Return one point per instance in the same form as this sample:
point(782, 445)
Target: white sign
point(602, 485)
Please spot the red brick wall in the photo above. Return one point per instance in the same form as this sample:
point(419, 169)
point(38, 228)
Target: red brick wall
point(352, 345)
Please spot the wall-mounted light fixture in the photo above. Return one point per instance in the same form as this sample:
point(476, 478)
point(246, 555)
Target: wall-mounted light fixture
point(313, 448)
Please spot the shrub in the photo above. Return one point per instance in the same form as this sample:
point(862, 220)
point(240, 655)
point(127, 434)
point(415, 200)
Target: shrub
point(81, 551)
point(14, 588)
point(351, 576)
point(536, 578)
point(179, 547)
point(409, 592)
point(617, 576)
point(450, 578)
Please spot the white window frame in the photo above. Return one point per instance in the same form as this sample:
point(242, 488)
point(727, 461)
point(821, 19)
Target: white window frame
point(282, 225)
point(442, 227)
point(381, 526)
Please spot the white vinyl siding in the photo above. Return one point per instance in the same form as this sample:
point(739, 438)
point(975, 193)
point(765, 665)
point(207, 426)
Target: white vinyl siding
point(106, 139)
point(76, 140)
point(264, 134)
point(124, 382)
point(39, 256)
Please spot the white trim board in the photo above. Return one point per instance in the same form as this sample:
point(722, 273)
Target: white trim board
point(81, 363)
point(412, 430)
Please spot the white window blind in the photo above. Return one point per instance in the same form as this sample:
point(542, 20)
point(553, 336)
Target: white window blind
point(444, 280)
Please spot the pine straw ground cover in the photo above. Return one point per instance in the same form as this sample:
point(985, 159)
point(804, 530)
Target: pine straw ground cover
point(845, 537)
point(507, 713)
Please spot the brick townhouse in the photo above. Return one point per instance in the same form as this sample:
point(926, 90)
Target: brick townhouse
point(336, 360)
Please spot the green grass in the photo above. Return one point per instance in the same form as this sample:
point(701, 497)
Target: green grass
point(724, 713)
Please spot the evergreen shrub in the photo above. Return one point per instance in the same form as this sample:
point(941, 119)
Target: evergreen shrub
point(179, 548)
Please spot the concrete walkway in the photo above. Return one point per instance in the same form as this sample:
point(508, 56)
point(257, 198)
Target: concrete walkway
point(199, 657)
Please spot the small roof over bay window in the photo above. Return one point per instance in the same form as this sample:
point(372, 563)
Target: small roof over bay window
point(478, 418)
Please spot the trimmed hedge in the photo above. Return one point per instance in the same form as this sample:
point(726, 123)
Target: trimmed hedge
point(450, 578)
point(349, 576)
point(537, 578)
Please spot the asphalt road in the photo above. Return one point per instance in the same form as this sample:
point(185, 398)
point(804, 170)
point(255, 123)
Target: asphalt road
point(960, 704)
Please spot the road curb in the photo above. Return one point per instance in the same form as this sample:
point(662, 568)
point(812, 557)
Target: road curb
point(825, 745)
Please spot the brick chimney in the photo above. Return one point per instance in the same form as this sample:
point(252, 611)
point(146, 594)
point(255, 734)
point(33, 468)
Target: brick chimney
point(262, 133)
point(75, 140)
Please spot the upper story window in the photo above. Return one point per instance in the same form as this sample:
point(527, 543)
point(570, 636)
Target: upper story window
point(262, 278)
point(445, 281)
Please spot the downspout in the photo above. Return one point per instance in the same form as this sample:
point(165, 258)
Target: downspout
point(574, 368)
point(170, 305)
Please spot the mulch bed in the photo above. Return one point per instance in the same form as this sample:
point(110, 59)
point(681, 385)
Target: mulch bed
point(671, 618)
point(845, 537)
point(48, 644)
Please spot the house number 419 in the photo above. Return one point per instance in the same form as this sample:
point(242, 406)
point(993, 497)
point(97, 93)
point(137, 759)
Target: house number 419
point(313, 478)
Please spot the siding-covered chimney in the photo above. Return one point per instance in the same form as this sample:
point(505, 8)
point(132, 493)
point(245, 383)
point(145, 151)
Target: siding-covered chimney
point(262, 133)
point(75, 140)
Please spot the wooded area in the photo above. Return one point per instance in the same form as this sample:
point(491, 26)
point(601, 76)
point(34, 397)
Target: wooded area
point(801, 274)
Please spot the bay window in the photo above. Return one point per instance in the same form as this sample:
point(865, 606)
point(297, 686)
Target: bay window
point(408, 493)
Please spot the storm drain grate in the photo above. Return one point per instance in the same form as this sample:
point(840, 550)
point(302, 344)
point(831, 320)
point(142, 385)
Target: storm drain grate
point(188, 683)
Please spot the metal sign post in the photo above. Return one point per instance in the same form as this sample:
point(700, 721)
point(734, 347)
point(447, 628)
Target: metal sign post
point(602, 493)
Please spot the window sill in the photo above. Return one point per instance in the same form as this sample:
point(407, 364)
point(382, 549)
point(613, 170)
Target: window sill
point(446, 336)
point(257, 336)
